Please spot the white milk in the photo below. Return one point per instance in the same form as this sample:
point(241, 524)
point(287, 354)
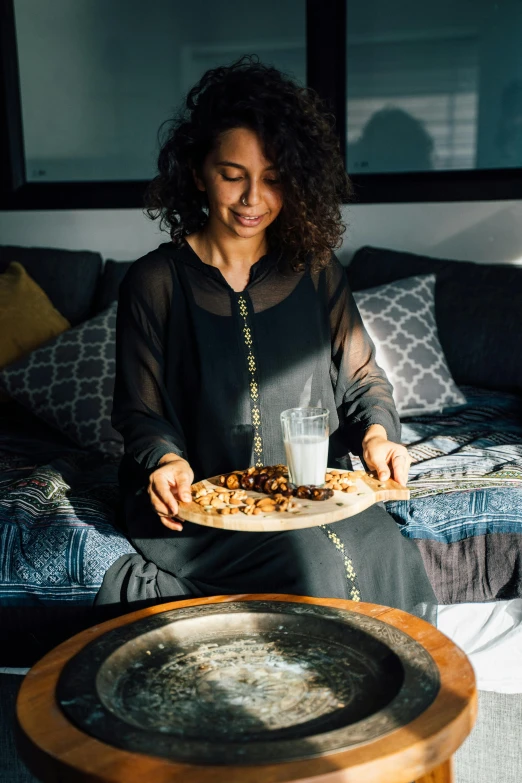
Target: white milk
point(307, 458)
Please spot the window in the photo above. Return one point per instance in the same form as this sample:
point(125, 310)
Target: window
point(427, 96)
point(85, 86)
point(412, 105)
point(98, 77)
point(434, 87)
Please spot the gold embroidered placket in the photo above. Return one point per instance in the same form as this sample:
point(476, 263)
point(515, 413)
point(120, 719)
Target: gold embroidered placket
point(254, 388)
point(349, 570)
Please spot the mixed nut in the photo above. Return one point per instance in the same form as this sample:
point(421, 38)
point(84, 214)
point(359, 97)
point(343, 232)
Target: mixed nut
point(342, 480)
point(273, 481)
point(232, 503)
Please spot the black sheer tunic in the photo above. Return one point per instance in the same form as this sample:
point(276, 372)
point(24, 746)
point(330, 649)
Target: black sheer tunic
point(204, 371)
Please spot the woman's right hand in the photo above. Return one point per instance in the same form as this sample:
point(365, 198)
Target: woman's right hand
point(169, 485)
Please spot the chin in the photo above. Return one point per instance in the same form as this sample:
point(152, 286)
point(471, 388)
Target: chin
point(244, 231)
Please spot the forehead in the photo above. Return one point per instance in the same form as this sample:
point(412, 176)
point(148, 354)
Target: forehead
point(240, 145)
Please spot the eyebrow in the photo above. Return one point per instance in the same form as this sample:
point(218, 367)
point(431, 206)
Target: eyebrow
point(238, 165)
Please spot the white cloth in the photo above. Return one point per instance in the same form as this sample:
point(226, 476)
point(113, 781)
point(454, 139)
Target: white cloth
point(491, 636)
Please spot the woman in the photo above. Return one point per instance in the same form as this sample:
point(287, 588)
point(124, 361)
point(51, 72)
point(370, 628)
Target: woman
point(245, 313)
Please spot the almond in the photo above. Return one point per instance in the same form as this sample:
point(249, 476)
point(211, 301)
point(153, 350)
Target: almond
point(266, 504)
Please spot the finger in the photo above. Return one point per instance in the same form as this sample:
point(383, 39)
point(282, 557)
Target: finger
point(383, 471)
point(401, 466)
point(163, 512)
point(162, 497)
point(172, 524)
point(176, 483)
point(183, 484)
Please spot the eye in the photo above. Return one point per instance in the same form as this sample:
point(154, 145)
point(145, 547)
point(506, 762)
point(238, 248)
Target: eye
point(274, 181)
point(231, 179)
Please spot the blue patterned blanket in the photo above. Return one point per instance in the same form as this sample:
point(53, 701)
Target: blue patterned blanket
point(57, 507)
point(465, 511)
point(474, 453)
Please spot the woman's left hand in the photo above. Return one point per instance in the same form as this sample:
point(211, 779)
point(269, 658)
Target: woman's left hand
point(386, 458)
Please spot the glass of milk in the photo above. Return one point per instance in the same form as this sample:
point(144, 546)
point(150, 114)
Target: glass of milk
point(305, 435)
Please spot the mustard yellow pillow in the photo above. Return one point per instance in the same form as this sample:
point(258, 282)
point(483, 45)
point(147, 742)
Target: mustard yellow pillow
point(27, 316)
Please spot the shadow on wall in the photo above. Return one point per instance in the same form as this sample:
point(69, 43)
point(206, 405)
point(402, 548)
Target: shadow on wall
point(391, 140)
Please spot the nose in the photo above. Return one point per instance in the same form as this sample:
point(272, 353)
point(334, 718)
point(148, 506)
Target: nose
point(252, 194)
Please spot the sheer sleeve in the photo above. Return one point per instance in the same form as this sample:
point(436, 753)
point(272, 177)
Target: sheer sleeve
point(363, 393)
point(142, 411)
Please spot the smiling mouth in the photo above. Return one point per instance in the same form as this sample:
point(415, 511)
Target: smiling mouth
point(248, 217)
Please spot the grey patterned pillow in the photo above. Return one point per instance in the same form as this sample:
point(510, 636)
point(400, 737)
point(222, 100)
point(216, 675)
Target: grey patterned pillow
point(400, 319)
point(69, 381)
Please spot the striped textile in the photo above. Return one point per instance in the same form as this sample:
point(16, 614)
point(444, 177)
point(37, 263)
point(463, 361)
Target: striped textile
point(465, 510)
point(57, 534)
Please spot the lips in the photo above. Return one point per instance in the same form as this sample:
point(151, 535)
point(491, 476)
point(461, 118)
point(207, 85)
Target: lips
point(245, 220)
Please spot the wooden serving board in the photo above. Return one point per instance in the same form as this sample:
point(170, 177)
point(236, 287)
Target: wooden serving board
point(311, 513)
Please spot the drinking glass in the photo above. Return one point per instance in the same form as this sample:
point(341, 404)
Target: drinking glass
point(305, 435)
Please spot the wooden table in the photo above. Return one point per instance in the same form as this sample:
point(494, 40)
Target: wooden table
point(57, 751)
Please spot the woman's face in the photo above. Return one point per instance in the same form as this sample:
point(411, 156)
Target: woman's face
point(236, 171)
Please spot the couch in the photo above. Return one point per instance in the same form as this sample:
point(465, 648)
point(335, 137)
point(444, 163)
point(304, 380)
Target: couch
point(58, 498)
point(59, 529)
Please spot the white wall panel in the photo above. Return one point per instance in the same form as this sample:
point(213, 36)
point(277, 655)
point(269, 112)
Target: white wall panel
point(470, 231)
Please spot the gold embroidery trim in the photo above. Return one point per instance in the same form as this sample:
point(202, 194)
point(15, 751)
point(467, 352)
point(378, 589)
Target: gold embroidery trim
point(349, 570)
point(254, 388)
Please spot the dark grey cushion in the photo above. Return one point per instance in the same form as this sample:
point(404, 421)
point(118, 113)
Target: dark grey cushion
point(109, 284)
point(68, 277)
point(69, 382)
point(477, 307)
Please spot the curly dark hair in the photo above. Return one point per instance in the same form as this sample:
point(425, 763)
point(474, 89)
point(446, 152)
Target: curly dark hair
point(298, 135)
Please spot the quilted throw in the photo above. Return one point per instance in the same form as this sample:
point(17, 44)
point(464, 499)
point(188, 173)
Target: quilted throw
point(57, 507)
point(465, 507)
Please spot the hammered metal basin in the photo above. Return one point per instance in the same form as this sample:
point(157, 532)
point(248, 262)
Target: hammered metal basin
point(247, 682)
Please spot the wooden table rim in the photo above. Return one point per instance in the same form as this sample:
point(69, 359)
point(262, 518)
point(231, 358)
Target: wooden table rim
point(420, 752)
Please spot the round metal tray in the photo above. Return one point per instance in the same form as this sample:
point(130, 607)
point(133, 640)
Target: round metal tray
point(246, 682)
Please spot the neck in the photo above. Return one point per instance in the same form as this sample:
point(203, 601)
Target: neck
point(219, 247)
